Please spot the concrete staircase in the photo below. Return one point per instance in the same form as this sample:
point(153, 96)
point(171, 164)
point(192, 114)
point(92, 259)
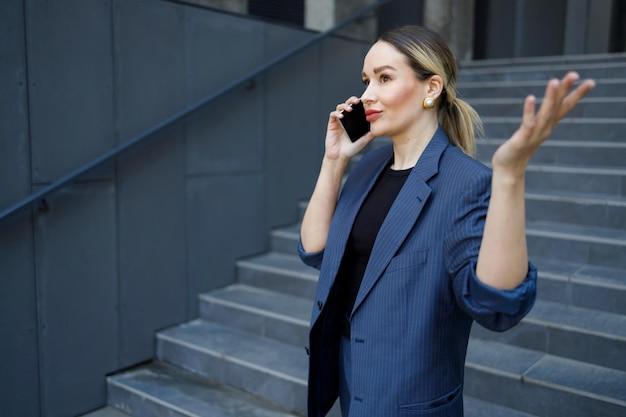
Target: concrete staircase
point(245, 356)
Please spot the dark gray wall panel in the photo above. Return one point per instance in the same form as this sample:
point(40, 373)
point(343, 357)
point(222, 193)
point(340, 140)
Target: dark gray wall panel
point(497, 29)
point(151, 244)
point(150, 86)
point(293, 130)
point(19, 373)
point(226, 136)
point(574, 41)
point(337, 86)
point(225, 221)
point(599, 26)
point(542, 28)
point(70, 84)
point(220, 49)
point(76, 270)
point(150, 75)
point(14, 140)
point(400, 12)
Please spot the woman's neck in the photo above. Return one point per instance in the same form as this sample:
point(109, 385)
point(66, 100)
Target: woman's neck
point(408, 150)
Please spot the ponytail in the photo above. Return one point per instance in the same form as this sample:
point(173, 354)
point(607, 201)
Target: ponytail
point(460, 122)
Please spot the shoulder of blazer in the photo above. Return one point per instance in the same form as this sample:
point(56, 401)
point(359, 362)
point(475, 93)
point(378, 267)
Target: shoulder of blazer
point(456, 165)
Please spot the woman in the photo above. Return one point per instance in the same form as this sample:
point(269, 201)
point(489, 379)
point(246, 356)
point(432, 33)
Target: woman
point(421, 241)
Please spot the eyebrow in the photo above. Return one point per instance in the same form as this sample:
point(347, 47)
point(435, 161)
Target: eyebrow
point(382, 68)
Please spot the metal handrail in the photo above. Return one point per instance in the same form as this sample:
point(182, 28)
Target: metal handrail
point(120, 149)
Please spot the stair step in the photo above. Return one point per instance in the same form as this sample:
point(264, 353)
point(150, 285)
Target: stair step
point(570, 332)
point(473, 407)
point(577, 179)
point(605, 87)
point(600, 107)
point(569, 128)
point(159, 389)
point(578, 284)
point(285, 239)
point(273, 315)
point(106, 412)
point(592, 245)
point(568, 153)
point(543, 72)
point(278, 272)
point(260, 366)
point(544, 60)
point(302, 205)
point(573, 208)
point(542, 384)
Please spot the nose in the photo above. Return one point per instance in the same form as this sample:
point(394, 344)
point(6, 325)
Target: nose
point(368, 95)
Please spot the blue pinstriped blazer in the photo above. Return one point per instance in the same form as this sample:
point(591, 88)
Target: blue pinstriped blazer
point(419, 296)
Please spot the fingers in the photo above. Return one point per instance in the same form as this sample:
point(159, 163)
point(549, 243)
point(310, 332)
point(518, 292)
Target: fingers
point(537, 125)
point(566, 98)
point(550, 102)
point(526, 133)
point(575, 96)
point(556, 89)
point(345, 106)
point(559, 100)
point(528, 115)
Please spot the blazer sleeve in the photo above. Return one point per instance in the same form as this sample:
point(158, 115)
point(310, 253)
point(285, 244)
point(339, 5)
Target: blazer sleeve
point(313, 259)
point(495, 309)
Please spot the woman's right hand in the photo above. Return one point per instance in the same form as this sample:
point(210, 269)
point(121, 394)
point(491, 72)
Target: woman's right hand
point(338, 144)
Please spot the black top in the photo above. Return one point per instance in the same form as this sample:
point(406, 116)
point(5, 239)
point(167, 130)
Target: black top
point(363, 235)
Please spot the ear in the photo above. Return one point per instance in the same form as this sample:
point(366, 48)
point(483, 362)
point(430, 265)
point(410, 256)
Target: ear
point(435, 86)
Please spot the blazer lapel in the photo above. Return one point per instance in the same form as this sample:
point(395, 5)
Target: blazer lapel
point(403, 214)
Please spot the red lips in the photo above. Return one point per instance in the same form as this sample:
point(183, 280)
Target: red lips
point(371, 114)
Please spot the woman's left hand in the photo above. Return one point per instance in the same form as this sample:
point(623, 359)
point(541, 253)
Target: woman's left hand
point(513, 155)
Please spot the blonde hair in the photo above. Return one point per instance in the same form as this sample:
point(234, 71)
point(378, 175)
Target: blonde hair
point(429, 55)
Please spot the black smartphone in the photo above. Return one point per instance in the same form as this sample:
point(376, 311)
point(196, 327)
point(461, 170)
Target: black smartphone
point(354, 122)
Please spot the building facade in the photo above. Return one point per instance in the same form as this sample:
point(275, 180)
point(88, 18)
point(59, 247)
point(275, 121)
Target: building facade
point(476, 29)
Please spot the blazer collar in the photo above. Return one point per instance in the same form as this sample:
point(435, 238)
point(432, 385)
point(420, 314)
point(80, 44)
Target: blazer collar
point(403, 214)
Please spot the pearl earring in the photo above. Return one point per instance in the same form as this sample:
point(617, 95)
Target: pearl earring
point(429, 103)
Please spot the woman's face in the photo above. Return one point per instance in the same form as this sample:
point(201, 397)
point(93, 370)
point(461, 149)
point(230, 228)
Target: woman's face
point(393, 95)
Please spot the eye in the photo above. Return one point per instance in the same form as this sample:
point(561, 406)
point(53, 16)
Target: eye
point(366, 82)
point(384, 78)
